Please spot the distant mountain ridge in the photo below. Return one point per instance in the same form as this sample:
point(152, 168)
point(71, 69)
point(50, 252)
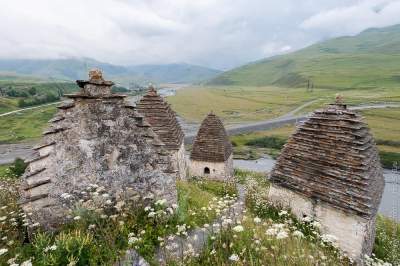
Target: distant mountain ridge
point(368, 59)
point(72, 69)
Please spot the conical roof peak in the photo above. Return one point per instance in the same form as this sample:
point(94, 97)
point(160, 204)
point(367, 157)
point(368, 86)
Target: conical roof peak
point(332, 157)
point(212, 143)
point(161, 118)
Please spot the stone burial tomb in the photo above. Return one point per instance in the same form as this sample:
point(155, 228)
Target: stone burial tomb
point(329, 170)
point(211, 155)
point(97, 138)
point(164, 123)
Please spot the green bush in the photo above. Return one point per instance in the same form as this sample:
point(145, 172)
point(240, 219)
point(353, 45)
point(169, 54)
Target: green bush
point(273, 142)
point(389, 159)
point(18, 167)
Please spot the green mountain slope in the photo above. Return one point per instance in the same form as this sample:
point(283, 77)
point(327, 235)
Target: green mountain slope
point(72, 69)
point(369, 59)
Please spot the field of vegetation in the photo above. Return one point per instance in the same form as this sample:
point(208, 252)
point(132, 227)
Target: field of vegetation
point(240, 104)
point(26, 125)
point(366, 60)
point(16, 94)
point(260, 235)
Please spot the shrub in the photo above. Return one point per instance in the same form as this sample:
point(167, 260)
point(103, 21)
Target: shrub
point(389, 159)
point(18, 167)
point(273, 142)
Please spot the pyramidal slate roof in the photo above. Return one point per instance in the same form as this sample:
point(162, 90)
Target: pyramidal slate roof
point(212, 143)
point(97, 138)
point(332, 157)
point(159, 114)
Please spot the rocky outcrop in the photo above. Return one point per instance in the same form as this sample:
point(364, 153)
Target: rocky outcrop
point(98, 138)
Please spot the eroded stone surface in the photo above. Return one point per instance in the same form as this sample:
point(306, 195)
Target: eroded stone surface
point(96, 139)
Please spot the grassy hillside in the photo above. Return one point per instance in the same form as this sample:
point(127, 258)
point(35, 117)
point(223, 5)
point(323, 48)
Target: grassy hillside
point(369, 59)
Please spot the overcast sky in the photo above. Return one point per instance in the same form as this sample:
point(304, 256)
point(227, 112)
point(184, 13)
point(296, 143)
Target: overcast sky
point(215, 33)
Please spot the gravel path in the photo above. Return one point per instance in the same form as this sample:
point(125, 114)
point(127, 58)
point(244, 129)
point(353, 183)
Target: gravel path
point(28, 108)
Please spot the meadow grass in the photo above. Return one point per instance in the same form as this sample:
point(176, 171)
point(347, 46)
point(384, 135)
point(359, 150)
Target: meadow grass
point(387, 241)
point(26, 125)
point(245, 104)
point(8, 104)
point(265, 235)
point(101, 236)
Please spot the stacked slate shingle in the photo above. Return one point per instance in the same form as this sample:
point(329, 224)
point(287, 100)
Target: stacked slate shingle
point(162, 119)
point(212, 143)
point(332, 158)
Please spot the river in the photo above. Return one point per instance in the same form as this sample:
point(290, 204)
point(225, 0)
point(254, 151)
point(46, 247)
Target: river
point(390, 204)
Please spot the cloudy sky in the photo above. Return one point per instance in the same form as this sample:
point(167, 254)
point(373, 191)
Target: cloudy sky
point(215, 33)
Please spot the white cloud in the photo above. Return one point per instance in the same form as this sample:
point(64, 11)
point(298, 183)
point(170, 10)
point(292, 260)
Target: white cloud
point(352, 19)
point(217, 33)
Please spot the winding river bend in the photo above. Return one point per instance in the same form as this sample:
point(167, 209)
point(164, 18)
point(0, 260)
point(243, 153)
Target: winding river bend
point(390, 204)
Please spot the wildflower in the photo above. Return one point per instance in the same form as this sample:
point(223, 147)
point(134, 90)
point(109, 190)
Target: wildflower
point(213, 252)
point(53, 247)
point(161, 202)
point(26, 263)
point(151, 214)
point(175, 206)
point(206, 225)
point(76, 218)
point(297, 233)
point(330, 239)
point(257, 220)
point(281, 235)
point(147, 208)
point(3, 251)
point(282, 213)
point(35, 224)
point(271, 232)
point(91, 226)
point(238, 228)
point(234, 257)
point(132, 240)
